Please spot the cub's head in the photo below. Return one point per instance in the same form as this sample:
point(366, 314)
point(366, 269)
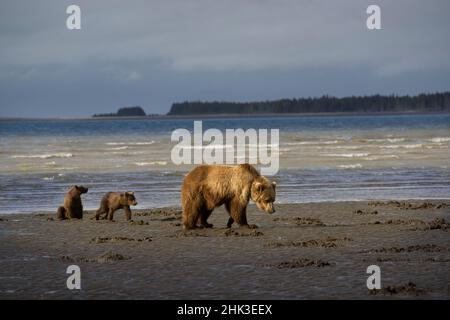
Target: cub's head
point(263, 194)
point(130, 198)
point(80, 189)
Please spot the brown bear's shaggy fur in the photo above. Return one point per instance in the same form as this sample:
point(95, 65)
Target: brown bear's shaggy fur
point(72, 207)
point(113, 201)
point(210, 186)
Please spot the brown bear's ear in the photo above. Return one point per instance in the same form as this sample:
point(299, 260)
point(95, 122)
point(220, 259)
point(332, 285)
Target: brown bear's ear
point(274, 184)
point(129, 193)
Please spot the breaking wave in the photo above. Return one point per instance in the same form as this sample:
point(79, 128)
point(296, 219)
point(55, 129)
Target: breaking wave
point(43, 156)
point(143, 143)
point(151, 163)
point(350, 166)
point(440, 139)
point(347, 155)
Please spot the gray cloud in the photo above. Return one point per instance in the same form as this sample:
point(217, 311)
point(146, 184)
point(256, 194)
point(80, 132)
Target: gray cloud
point(156, 52)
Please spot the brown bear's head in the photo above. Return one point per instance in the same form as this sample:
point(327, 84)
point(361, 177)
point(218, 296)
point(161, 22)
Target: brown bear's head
point(131, 200)
point(80, 189)
point(263, 194)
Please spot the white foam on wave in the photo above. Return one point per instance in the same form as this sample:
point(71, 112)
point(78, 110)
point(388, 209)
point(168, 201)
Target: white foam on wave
point(440, 139)
point(151, 163)
point(126, 153)
point(208, 146)
point(381, 157)
point(345, 147)
point(264, 145)
point(142, 143)
point(347, 155)
point(391, 140)
point(350, 166)
point(119, 148)
point(43, 156)
point(68, 168)
point(404, 146)
point(301, 143)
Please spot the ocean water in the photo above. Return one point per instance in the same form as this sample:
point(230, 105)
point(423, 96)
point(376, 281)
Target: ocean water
point(328, 158)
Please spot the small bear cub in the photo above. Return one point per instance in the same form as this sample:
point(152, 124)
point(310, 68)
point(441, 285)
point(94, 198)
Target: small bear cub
point(72, 207)
point(113, 201)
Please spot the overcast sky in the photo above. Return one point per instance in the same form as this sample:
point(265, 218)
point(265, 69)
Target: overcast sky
point(154, 53)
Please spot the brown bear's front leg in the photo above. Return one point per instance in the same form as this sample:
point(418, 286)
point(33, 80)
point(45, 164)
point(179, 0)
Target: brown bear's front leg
point(127, 212)
point(203, 219)
point(111, 215)
point(230, 222)
point(76, 210)
point(79, 214)
point(238, 212)
point(69, 213)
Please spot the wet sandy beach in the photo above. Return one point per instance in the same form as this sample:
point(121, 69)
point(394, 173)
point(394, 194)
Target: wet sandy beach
point(303, 251)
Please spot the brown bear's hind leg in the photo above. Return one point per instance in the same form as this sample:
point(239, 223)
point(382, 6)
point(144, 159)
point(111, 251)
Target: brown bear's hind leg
point(190, 216)
point(230, 220)
point(99, 212)
point(61, 213)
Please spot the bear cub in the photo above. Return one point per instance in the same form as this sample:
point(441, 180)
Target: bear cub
point(209, 186)
point(113, 201)
point(72, 207)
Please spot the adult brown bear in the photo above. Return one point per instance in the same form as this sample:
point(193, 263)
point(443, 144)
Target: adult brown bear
point(210, 186)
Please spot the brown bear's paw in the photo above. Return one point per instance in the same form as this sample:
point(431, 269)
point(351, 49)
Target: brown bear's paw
point(249, 226)
point(207, 225)
point(187, 227)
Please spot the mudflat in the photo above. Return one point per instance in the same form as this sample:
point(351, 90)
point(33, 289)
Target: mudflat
point(303, 251)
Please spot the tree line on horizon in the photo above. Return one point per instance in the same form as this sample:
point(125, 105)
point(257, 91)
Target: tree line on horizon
point(434, 102)
point(124, 112)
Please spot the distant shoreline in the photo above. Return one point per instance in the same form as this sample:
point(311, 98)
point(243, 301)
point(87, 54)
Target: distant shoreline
point(228, 115)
